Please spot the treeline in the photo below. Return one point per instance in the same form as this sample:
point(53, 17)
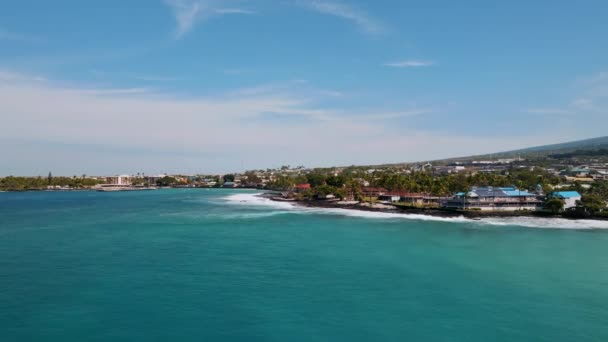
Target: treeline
point(424, 182)
point(592, 203)
point(12, 183)
point(602, 152)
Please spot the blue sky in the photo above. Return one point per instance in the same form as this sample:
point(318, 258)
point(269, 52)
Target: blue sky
point(102, 87)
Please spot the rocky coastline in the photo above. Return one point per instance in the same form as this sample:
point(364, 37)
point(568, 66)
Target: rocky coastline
point(437, 212)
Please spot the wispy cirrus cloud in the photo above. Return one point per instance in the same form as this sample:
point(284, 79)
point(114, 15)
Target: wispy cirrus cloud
point(590, 98)
point(188, 12)
point(117, 75)
point(10, 76)
point(412, 63)
point(53, 124)
point(80, 115)
point(341, 10)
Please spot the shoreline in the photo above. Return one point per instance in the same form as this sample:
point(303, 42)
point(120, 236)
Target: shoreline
point(434, 212)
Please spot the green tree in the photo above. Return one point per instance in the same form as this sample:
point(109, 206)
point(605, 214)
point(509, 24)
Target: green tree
point(593, 203)
point(138, 181)
point(353, 189)
point(315, 179)
point(601, 189)
point(340, 193)
point(166, 181)
point(50, 178)
point(554, 205)
point(229, 178)
point(336, 181)
point(324, 190)
point(252, 178)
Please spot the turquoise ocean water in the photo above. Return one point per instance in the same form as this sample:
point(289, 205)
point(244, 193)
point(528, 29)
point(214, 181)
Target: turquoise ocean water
point(223, 265)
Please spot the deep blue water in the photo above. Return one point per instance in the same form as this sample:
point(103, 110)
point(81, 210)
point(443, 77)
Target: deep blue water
point(189, 265)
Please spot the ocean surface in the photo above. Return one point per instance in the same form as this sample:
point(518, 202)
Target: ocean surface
point(225, 265)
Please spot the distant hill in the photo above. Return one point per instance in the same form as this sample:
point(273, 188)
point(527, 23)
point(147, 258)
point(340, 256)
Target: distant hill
point(586, 144)
point(579, 147)
point(588, 147)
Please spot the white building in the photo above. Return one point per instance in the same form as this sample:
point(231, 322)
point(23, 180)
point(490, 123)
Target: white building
point(569, 197)
point(123, 180)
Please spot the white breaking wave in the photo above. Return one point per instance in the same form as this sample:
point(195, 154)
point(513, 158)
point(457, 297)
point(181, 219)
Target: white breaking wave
point(256, 199)
point(550, 223)
point(531, 222)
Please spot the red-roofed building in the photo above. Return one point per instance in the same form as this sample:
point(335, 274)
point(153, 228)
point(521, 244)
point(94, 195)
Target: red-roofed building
point(302, 187)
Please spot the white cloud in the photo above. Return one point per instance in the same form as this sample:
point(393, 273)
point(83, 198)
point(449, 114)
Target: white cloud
point(154, 78)
point(112, 91)
point(44, 114)
point(9, 76)
point(410, 64)
point(344, 11)
point(588, 98)
point(188, 12)
point(69, 130)
point(583, 103)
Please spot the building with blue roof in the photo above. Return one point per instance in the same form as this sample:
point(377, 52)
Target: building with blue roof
point(569, 197)
point(494, 199)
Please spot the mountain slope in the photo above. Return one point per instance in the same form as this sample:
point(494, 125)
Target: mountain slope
point(579, 147)
point(588, 147)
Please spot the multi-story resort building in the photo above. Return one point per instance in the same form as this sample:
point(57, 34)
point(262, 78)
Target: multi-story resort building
point(494, 199)
point(122, 180)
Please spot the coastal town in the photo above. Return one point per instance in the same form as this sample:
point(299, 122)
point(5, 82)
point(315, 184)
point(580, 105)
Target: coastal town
point(559, 185)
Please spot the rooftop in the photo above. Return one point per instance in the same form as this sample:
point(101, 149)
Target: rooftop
point(566, 194)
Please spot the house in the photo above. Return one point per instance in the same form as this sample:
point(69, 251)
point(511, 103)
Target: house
point(579, 179)
point(493, 199)
point(405, 197)
point(569, 197)
point(600, 175)
point(302, 187)
point(390, 197)
point(580, 172)
point(373, 192)
point(229, 185)
point(410, 198)
point(445, 170)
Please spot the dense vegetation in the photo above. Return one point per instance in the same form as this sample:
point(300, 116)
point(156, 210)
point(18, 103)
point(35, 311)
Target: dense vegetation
point(602, 152)
point(351, 180)
point(11, 183)
point(424, 182)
